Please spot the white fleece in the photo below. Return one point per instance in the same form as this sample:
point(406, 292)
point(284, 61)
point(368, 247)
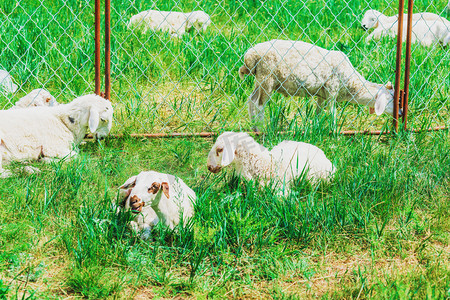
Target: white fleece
point(295, 68)
point(173, 22)
point(285, 162)
point(37, 97)
point(51, 132)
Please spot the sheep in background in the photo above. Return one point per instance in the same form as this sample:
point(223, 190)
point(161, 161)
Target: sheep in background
point(37, 97)
point(295, 68)
point(46, 133)
point(424, 32)
point(162, 194)
point(7, 85)
point(375, 19)
point(285, 162)
point(175, 23)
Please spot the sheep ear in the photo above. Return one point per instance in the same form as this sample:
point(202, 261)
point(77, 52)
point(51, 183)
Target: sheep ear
point(228, 154)
point(389, 85)
point(165, 188)
point(130, 183)
point(380, 103)
point(94, 119)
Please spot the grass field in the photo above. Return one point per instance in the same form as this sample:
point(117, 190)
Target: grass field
point(380, 229)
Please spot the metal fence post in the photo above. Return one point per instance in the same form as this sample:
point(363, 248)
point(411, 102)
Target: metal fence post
point(97, 46)
point(407, 64)
point(108, 49)
point(398, 64)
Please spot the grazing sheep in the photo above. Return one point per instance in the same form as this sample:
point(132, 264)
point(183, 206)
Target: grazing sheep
point(7, 85)
point(295, 68)
point(166, 195)
point(176, 23)
point(37, 97)
point(375, 19)
point(43, 133)
point(285, 162)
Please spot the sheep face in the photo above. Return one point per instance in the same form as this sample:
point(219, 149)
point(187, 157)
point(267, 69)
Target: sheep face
point(370, 19)
point(39, 97)
point(384, 100)
point(100, 119)
point(145, 189)
point(223, 152)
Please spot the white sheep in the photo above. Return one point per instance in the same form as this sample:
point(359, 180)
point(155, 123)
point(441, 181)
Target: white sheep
point(424, 32)
point(295, 68)
point(162, 194)
point(427, 28)
point(37, 97)
point(285, 162)
point(46, 133)
point(175, 23)
point(374, 19)
point(6, 83)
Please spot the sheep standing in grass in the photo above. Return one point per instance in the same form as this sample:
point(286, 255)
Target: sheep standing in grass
point(285, 162)
point(175, 23)
point(37, 97)
point(295, 68)
point(158, 197)
point(7, 85)
point(44, 133)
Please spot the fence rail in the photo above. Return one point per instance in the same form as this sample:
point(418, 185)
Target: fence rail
point(164, 83)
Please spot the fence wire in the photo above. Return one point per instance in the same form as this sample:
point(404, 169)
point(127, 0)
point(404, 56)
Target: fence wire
point(184, 77)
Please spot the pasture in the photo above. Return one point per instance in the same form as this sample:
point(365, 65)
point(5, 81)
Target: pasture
point(379, 230)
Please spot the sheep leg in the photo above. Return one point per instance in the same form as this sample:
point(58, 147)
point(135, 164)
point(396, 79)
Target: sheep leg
point(254, 108)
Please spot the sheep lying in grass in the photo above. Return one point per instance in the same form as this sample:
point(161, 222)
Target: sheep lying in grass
point(175, 23)
point(375, 19)
point(7, 85)
point(428, 28)
point(37, 97)
point(285, 162)
point(158, 196)
point(43, 133)
point(295, 68)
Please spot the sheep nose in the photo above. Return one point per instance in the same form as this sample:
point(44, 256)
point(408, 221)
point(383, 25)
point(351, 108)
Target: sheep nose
point(214, 169)
point(136, 203)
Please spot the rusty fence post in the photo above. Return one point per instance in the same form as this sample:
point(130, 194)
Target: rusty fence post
point(108, 49)
point(407, 65)
point(97, 46)
point(398, 64)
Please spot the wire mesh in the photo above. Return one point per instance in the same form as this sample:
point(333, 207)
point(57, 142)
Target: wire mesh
point(184, 77)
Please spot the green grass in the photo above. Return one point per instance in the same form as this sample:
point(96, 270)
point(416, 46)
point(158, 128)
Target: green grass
point(379, 230)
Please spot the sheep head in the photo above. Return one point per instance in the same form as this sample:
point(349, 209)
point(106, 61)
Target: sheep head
point(370, 19)
point(147, 188)
point(384, 100)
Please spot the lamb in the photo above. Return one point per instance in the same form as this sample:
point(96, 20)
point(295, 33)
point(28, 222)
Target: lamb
point(176, 23)
point(159, 197)
point(7, 85)
point(375, 19)
point(295, 68)
point(47, 133)
point(424, 31)
point(285, 162)
point(37, 97)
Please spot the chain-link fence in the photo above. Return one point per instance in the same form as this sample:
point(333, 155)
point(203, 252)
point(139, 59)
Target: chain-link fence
point(179, 77)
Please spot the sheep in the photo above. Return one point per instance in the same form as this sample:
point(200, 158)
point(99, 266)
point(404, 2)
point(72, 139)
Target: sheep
point(295, 68)
point(49, 133)
point(162, 194)
point(6, 83)
point(374, 19)
point(285, 162)
point(176, 23)
point(37, 97)
point(425, 32)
